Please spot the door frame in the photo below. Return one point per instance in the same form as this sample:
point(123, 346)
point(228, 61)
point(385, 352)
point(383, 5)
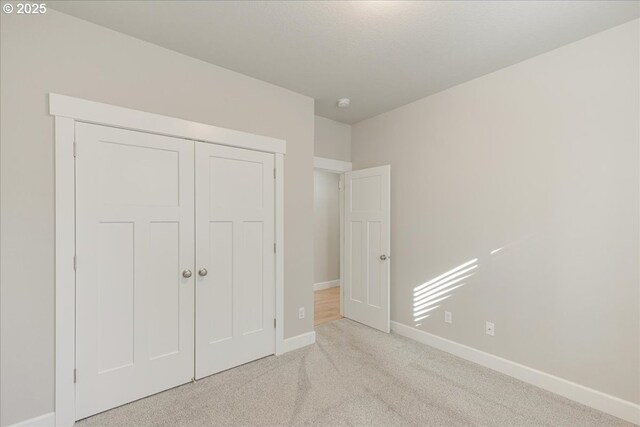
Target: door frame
point(69, 110)
point(338, 167)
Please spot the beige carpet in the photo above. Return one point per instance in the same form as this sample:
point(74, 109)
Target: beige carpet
point(356, 376)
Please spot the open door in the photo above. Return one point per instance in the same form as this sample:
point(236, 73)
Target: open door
point(366, 246)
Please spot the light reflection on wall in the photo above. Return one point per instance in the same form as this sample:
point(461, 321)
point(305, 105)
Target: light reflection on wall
point(438, 289)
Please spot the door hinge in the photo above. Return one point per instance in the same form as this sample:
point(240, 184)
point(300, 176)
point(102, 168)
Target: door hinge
point(75, 149)
point(75, 263)
point(75, 375)
point(274, 248)
point(274, 173)
point(274, 323)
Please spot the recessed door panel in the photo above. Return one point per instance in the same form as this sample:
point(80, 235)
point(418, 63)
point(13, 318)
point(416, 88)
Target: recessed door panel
point(365, 194)
point(251, 279)
point(374, 266)
point(116, 286)
point(235, 237)
point(138, 175)
point(246, 176)
point(218, 298)
point(135, 236)
point(355, 267)
point(164, 313)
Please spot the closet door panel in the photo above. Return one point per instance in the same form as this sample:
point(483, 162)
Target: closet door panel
point(235, 300)
point(135, 236)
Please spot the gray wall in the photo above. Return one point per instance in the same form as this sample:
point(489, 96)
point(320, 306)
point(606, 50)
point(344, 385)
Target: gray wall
point(58, 53)
point(540, 159)
point(332, 139)
point(326, 220)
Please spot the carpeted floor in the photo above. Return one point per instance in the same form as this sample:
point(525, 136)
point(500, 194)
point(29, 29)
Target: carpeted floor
point(355, 375)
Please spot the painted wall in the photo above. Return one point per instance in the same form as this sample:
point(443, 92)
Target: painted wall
point(326, 235)
point(332, 139)
point(533, 172)
point(61, 54)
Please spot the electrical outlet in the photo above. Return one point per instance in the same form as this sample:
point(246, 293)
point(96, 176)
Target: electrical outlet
point(301, 313)
point(447, 317)
point(491, 329)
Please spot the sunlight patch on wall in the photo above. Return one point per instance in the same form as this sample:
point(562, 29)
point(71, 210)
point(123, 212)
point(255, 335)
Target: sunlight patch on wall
point(440, 288)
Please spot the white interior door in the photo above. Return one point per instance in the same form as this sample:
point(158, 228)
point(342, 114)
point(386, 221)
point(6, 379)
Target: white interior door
point(235, 285)
point(366, 251)
point(135, 236)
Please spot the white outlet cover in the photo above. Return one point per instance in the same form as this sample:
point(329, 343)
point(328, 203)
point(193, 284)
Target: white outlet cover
point(448, 318)
point(301, 313)
point(491, 329)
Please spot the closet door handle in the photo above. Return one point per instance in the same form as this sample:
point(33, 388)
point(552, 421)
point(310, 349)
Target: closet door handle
point(202, 272)
point(186, 274)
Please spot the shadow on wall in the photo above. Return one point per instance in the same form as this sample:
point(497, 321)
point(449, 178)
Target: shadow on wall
point(439, 289)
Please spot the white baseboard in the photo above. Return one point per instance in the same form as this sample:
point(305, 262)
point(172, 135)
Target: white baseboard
point(298, 341)
point(326, 285)
point(612, 405)
point(46, 420)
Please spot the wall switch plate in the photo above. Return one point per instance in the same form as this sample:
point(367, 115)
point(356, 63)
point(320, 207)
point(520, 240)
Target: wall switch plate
point(491, 329)
point(301, 313)
point(447, 317)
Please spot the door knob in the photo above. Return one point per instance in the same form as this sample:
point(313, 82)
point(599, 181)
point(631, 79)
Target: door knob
point(186, 274)
point(383, 257)
point(202, 272)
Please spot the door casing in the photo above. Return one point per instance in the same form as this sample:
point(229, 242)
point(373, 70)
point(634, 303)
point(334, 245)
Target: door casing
point(67, 111)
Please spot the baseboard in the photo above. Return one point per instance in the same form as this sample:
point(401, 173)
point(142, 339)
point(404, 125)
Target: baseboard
point(326, 285)
point(612, 405)
point(46, 420)
point(298, 341)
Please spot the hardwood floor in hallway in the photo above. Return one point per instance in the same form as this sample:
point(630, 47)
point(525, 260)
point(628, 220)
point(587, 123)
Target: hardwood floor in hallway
point(327, 305)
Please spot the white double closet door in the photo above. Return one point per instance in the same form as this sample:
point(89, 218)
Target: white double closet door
point(150, 210)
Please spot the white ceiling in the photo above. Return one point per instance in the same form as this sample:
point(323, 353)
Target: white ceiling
point(380, 54)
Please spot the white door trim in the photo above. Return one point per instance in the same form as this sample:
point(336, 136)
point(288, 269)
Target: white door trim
point(65, 275)
point(67, 111)
point(331, 165)
point(86, 111)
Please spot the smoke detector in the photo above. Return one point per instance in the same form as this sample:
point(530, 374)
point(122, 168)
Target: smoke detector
point(344, 102)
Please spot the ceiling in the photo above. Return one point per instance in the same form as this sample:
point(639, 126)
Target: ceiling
point(380, 54)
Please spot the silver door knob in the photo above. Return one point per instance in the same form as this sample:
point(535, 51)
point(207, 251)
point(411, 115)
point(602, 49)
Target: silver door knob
point(186, 274)
point(202, 272)
point(383, 257)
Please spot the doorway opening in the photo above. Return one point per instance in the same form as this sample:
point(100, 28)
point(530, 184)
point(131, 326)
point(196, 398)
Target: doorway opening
point(327, 283)
point(361, 250)
point(326, 236)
